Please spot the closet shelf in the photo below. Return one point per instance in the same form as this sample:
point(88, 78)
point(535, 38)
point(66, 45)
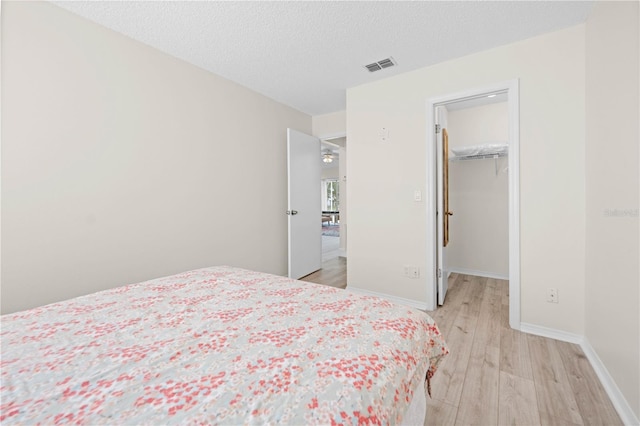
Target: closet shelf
point(479, 152)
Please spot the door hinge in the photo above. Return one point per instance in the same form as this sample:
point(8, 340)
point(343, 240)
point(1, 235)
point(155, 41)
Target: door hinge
point(439, 273)
point(437, 128)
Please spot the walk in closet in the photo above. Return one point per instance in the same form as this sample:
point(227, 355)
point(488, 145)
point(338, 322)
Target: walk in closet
point(478, 190)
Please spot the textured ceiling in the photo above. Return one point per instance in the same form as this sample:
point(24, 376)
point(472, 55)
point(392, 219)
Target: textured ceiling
point(306, 54)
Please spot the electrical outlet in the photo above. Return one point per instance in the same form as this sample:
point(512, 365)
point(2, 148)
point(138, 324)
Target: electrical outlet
point(552, 295)
point(411, 271)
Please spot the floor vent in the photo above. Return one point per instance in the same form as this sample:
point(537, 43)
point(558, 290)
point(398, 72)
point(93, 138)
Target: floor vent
point(383, 63)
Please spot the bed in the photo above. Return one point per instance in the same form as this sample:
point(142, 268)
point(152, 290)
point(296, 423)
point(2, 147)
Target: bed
point(217, 345)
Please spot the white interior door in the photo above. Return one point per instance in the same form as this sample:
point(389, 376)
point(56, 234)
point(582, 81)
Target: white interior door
point(442, 211)
point(304, 204)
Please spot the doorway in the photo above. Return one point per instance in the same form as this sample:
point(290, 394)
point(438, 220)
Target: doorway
point(316, 193)
point(436, 251)
point(330, 189)
point(333, 188)
point(334, 196)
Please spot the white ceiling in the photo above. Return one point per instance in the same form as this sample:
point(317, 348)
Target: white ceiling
point(306, 54)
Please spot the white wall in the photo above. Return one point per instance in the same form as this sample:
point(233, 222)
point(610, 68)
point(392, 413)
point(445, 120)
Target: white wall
point(552, 125)
point(121, 163)
point(612, 200)
point(330, 172)
point(478, 197)
point(330, 125)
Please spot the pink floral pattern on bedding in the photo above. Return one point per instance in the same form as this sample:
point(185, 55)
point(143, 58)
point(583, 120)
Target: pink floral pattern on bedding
point(217, 345)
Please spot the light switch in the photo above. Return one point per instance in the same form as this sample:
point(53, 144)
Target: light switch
point(417, 195)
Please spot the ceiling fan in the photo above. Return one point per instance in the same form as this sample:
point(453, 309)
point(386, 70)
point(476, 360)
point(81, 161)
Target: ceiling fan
point(327, 157)
point(328, 154)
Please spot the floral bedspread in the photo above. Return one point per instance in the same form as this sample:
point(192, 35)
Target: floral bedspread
point(218, 345)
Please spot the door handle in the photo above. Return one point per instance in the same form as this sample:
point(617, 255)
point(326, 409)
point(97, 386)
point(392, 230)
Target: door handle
point(292, 212)
point(449, 213)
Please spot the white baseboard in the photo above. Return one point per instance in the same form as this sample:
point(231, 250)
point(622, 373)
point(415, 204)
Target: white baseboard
point(342, 253)
point(618, 400)
point(394, 299)
point(551, 333)
point(477, 273)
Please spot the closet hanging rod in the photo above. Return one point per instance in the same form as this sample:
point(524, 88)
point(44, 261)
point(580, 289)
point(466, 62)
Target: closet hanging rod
point(477, 156)
point(481, 157)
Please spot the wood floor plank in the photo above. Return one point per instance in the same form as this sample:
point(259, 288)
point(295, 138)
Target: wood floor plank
point(489, 319)
point(504, 314)
point(514, 347)
point(517, 404)
point(514, 353)
point(447, 384)
point(333, 273)
point(593, 403)
point(445, 316)
point(556, 405)
point(450, 308)
point(546, 361)
point(479, 399)
point(556, 401)
point(440, 413)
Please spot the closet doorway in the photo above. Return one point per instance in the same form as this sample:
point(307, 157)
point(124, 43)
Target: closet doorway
point(474, 184)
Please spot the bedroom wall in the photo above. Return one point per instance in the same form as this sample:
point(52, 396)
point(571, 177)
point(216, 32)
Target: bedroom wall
point(612, 197)
point(478, 197)
point(121, 163)
point(332, 124)
point(551, 70)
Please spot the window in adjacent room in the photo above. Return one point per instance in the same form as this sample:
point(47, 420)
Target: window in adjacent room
point(330, 195)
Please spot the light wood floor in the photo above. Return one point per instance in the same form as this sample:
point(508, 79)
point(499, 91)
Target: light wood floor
point(333, 273)
point(497, 376)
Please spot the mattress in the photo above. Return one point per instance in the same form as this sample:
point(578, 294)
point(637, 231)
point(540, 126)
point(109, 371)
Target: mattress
point(218, 345)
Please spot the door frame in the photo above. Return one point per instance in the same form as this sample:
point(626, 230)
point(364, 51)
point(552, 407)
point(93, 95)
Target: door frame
point(511, 87)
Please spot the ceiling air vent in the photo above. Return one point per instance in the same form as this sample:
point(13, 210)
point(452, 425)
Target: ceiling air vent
point(383, 63)
point(373, 67)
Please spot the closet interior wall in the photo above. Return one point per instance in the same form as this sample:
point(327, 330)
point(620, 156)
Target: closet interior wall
point(479, 194)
